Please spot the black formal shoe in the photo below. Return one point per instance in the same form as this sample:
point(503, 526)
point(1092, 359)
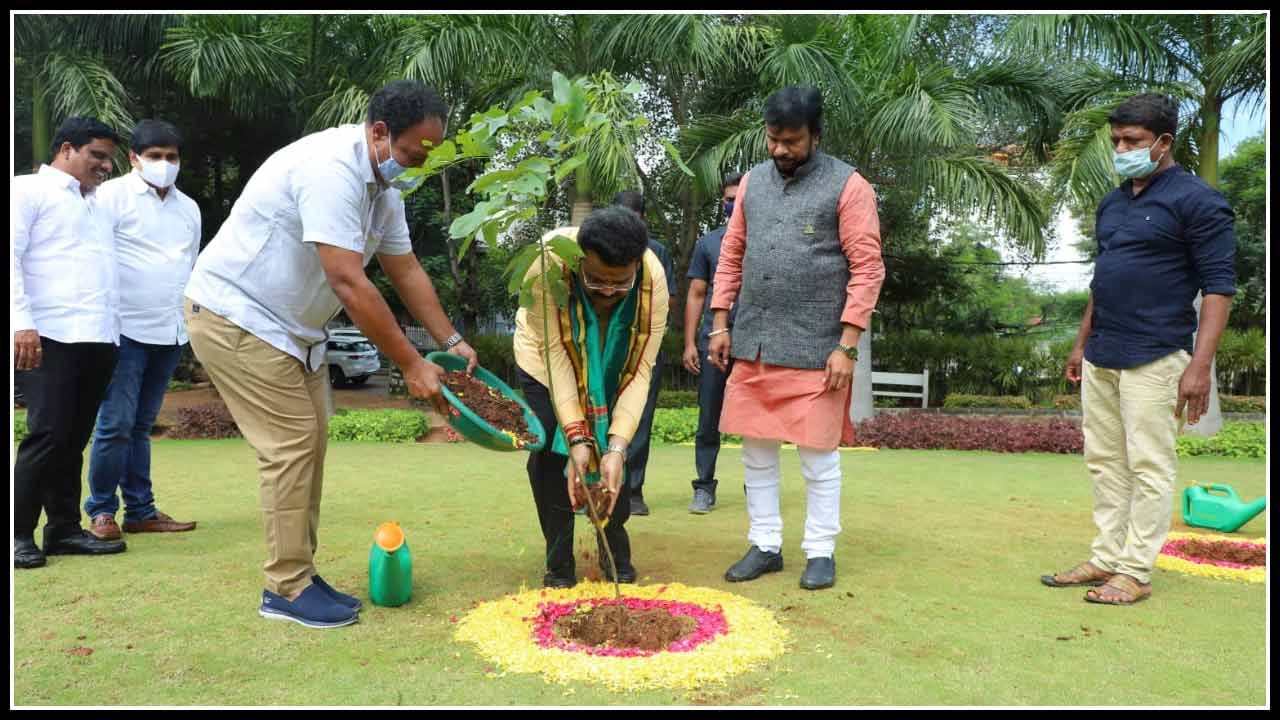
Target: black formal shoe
point(626, 573)
point(26, 555)
point(754, 564)
point(81, 542)
point(637, 505)
point(820, 572)
point(551, 580)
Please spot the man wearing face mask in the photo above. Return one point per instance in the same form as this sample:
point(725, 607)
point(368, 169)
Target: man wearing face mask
point(289, 257)
point(1163, 236)
point(157, 233)
point(66, 328)
point(602, 347)
point(801, 258)
point(711, 380)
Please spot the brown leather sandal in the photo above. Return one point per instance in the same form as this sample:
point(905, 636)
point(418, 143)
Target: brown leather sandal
point(1119, 590)
point(1086, 573)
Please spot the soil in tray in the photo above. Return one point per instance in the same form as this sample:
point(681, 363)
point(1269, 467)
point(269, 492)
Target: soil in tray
point(650, 630)
point(1225, 552)
point(495, 408)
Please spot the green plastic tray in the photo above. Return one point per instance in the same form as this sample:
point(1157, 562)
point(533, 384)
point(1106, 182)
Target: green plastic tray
point(472, 426)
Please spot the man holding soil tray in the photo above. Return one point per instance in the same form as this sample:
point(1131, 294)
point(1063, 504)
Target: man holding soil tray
point(602, 349)
point(289, 257)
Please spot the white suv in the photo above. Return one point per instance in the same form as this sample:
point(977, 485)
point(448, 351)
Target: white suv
point(351, 357)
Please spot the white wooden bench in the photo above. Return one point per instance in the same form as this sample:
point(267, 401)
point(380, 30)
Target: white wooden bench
point(902, 380)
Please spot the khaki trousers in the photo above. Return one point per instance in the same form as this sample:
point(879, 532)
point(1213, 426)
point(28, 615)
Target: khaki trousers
point(1130, 436)
point(280, 409)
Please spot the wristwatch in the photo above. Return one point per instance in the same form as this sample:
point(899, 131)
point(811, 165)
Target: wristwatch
point(453, 340)
point(850, 351)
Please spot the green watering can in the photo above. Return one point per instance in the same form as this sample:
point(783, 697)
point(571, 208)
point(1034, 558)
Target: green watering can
point(1224, 513)
point(390, 567)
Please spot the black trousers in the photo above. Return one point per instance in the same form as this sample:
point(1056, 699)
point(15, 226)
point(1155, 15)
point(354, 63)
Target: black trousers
point(63, 395)
point(551, 495)
point(638, 451)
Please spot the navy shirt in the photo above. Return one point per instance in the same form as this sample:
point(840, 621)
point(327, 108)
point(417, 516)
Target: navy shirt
point(706, 255)
point(1155, 252)
point(661, 251)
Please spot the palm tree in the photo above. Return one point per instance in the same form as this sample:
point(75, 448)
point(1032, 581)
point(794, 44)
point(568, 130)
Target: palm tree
point(81, 65)
point(1206, 60)
point(907, 119)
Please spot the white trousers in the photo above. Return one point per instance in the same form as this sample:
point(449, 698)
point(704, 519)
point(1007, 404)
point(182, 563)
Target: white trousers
point(821, 471)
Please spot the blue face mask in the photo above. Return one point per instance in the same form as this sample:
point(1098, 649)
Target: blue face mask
point(390, 170)
point(728, 210)
point(1136, 164)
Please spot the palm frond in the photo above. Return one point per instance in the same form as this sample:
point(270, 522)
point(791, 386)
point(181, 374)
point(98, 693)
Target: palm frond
point(1130, 43)
point(233, 58)
point(716, 144)
point(974, 184)
point(347, 104)
point(1242, 68)
point(84, 85)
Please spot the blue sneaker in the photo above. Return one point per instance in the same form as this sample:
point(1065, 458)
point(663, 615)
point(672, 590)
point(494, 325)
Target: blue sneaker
point(313, 608)
point(339, 597)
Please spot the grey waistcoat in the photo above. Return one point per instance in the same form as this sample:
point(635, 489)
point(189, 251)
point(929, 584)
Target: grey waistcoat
point(794, 274)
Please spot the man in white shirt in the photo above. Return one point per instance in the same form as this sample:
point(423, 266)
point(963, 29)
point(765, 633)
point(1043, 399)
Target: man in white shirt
point(157, 234)
point(290, 256)
point(66, 327)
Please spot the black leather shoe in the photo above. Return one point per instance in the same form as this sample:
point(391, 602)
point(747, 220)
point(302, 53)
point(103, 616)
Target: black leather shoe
point(754, 564)
point(551, 580)
point(626, 573)
point(26, 555)
point(637, 505)
point(81, 542)
point(819, 572)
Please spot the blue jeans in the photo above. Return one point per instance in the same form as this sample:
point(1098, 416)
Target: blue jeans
point(711, 382)
point(121, 453)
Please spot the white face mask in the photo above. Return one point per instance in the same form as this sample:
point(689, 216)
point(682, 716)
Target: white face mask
point(159, 173)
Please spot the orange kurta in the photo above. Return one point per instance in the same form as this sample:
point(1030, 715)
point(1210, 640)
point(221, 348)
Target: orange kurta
point(792, 404)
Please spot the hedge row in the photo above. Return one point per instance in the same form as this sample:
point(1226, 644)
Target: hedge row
point(1010, 402)
point(213, 421)
point(1237, 440)
point(924, 431)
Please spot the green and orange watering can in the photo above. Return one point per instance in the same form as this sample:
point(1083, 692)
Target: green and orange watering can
point(390, 567)
point(1217, 507)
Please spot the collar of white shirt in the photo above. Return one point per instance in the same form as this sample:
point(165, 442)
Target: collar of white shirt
point(362, 158)
point(60, 177)
point(142, 187)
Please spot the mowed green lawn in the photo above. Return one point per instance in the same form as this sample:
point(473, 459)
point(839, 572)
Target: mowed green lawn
point(937, 600)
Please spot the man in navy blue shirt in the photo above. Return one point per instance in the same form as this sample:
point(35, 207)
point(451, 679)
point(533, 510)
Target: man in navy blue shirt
point(711, 380)
point(638, 453)
point(1163, 236)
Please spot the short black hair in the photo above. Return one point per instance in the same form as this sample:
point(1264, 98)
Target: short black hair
point(1153, 111)
point(616, 234)
point(631, 199)
point(795, 106)
point(80, 131)
point(730, 180)
point(405, 103)
point(154, 133)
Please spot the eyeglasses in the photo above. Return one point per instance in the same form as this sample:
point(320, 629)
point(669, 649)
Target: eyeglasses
point(602, 287)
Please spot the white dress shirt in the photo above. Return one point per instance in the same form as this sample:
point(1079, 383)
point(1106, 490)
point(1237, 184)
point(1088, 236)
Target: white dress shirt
point(156, 245)
point(62, 266)
point(262, 271)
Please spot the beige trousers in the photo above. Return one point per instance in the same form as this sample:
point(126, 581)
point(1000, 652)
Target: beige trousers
point(1130, 435)
point(280, 409)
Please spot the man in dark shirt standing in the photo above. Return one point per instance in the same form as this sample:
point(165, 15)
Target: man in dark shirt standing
point(1163, 235)
point(638, 454)
point(711, 380)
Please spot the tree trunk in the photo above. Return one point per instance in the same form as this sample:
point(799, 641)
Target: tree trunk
point(41, 135)
point(1211, 110)
point(455, 267)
